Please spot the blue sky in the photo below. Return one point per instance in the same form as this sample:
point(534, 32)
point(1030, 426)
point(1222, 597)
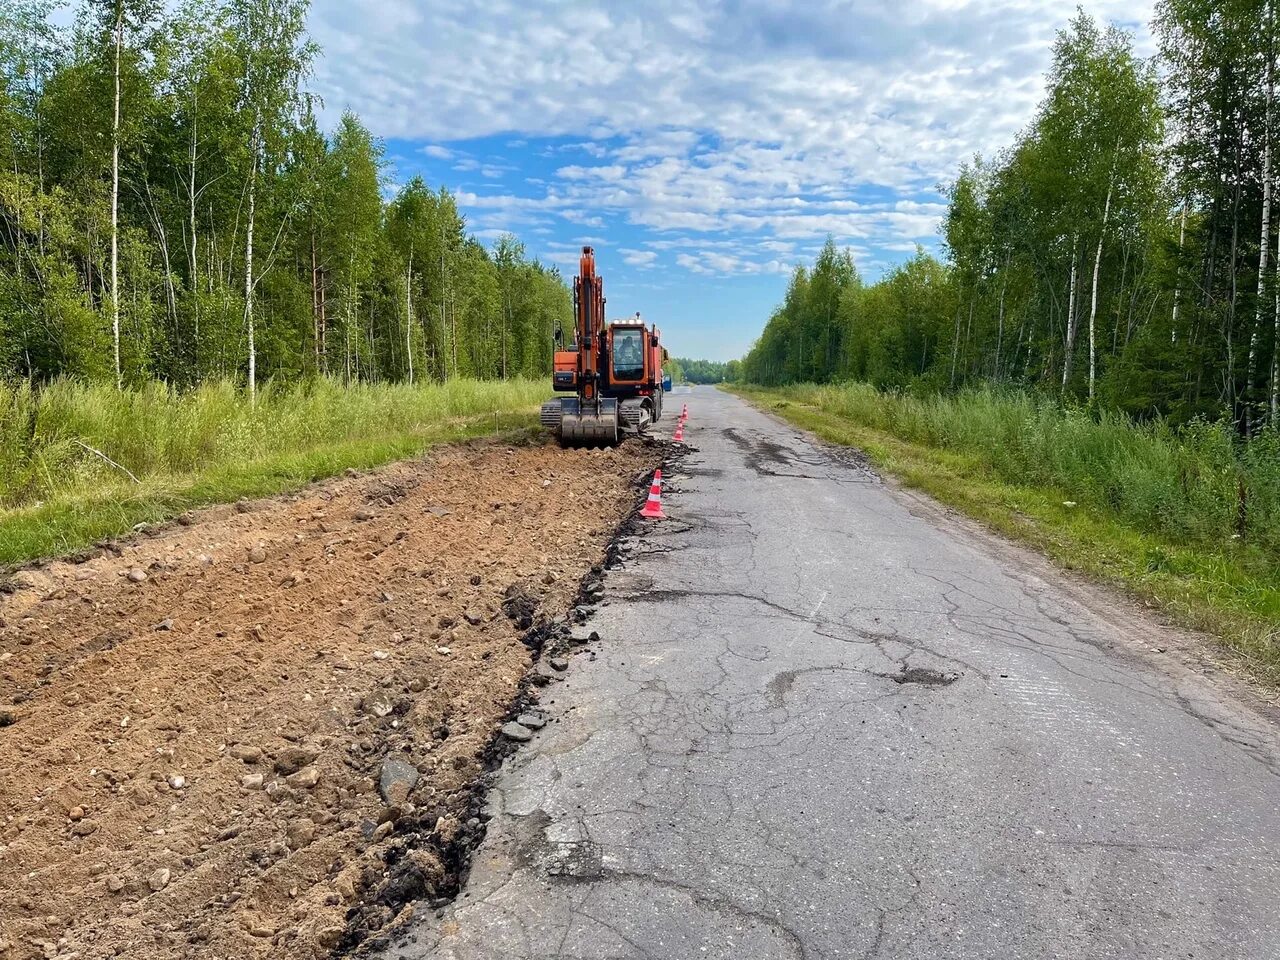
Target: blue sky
point(703, 149)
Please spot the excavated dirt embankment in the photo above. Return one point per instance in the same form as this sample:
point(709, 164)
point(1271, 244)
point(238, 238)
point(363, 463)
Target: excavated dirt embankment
point(257, 732)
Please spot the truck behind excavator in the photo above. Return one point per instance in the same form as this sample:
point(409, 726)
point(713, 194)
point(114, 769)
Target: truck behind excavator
point(613, 370)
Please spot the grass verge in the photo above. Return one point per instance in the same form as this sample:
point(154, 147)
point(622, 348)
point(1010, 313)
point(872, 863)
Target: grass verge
point(192, 449)
point(1222, 586)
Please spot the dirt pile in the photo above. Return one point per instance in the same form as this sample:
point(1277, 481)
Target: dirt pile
point(213, 736)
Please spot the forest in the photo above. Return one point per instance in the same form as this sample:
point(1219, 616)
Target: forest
point(171, 209)
point(1121, 253)
point(704, 371)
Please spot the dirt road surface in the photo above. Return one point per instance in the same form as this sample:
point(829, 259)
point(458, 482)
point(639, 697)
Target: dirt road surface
point(827, 719)
point(256, 733)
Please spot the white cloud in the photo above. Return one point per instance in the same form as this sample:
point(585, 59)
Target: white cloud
point(773, 120)
point(723, 264)
point(638, 258)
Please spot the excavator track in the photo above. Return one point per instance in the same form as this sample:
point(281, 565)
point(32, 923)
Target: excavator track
point(636, 415)
point(583, 425)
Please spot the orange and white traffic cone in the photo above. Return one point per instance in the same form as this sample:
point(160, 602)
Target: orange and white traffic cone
point(684, 414)
point(679, 437)
point(653, 506)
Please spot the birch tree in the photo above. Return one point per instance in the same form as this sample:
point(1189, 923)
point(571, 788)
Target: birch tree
point(275, 55)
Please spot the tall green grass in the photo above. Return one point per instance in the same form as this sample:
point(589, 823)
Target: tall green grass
point(1194, 484)
point(184, 448)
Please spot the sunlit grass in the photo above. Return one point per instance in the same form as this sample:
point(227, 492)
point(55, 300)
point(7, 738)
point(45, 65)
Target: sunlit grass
point(172, 450)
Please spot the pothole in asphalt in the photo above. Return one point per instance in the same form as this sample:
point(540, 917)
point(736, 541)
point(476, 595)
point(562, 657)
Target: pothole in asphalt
point(924, 677)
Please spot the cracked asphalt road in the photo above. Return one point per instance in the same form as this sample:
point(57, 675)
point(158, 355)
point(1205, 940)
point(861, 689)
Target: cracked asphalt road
point(827, 720)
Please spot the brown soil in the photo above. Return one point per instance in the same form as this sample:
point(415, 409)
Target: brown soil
point(301, 641)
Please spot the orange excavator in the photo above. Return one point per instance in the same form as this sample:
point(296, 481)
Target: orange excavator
point(613, 370)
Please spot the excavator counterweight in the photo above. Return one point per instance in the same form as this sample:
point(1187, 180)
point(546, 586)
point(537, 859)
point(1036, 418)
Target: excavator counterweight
point(614, 371)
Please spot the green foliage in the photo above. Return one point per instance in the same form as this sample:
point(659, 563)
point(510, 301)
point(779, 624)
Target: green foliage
point(217, 134)
point(685, 370)
point(1099, 257)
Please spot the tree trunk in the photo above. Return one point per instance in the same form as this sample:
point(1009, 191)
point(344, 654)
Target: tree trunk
point(248, 261)
point(1275, 354)
point(115, 201)
point(955, 348)
point(1177, 288)
point(1263, 248)
point(1004, 285)
point(443, 320)
point(1071, 320)
point(1093, 304)
point(408, 313)
point(193, 267)
point(316, 336)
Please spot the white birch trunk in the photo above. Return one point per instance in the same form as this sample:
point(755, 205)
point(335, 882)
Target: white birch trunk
point(191, 213)
point(1275, 355)
point(115, 202)
point(1093, 304)
point(1004, 284)
point(1071, 319)
point(248, 264)
point(1177, 289)
point(1264, 248)
point(408, 313)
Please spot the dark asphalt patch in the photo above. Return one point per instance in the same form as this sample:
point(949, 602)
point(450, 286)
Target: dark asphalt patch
point(924, 677)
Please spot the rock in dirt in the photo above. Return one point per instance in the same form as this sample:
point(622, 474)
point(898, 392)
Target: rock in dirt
point(136, 575)
point(257, 553)
point(328, 937)
point(306, 778)
point(473, 617)
point(559, 663)
point(251, 781)
point(345, 888)
point(165, 625)
point(246, 752)
point(301, 832)
point(159, 879)
point(533, 721)
point(517, 732)
point(396, 780)
point(292, 759)
point(114, 884)
point(84, 828)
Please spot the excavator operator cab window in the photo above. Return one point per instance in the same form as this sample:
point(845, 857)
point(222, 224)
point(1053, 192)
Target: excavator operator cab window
point(628, 354)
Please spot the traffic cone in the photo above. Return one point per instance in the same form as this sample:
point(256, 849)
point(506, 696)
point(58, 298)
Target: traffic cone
point(679, 437)
point(653, 506)
point(684, 414)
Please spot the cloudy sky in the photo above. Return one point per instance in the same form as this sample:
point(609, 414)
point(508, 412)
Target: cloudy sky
point(703, 148)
